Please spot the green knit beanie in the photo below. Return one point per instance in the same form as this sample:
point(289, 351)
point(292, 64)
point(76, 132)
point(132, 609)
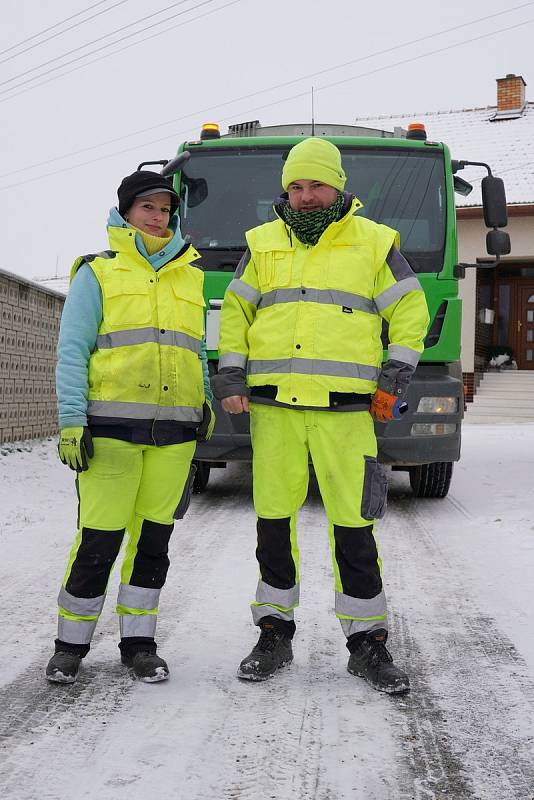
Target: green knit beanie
point(314, 159)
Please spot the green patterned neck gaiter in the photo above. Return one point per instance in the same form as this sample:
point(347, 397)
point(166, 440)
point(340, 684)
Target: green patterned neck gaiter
point(308, 226)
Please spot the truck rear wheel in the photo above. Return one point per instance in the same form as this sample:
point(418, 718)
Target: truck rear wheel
point(202, 476)
point(431, 480)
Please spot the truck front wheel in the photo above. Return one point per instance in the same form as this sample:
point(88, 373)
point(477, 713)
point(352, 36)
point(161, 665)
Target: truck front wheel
point(431, 480)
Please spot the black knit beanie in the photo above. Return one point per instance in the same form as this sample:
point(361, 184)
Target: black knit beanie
point(142, 182)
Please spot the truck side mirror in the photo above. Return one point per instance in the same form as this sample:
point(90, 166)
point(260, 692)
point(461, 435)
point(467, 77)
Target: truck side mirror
point(498, 243)
point(194, 190)
point(494, 202)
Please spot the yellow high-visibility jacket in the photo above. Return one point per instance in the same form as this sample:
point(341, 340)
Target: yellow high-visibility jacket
point(308, 319)
point(147, 364)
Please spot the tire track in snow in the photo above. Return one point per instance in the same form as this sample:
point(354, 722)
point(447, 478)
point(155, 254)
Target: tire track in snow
point(469, 716)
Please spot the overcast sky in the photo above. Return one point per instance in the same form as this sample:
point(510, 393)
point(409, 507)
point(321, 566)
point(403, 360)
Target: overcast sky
point(72, 125)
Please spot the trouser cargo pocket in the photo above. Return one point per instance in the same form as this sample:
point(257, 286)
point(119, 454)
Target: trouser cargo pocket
point(185, 499)
point(375, 490)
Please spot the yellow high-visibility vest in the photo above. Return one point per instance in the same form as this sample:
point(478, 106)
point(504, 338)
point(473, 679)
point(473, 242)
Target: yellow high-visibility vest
point(308, 319)
point(147, 360)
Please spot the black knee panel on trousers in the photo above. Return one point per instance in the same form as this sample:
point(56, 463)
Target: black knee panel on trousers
point(96, 555)
point(357, 560)
point(274, 552)
point(151, 560)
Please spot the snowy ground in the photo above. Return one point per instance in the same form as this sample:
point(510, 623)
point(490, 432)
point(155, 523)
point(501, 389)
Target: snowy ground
point(459, 575)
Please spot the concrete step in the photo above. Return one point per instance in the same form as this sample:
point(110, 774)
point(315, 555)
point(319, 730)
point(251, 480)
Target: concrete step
point(501, 394)
point(510, 375)
point(474, 419)
point(514, 403)
point(503, 397)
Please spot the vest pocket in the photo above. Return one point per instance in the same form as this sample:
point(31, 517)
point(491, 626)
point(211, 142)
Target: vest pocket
point(375, 490)
point(189, 311)
point(127, 304)
point(274, 268)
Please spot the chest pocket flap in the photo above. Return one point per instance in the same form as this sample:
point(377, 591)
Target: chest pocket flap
point(274, 268)
point(126, 303)
point(188, 308)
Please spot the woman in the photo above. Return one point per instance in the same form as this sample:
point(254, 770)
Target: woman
point(133, 396)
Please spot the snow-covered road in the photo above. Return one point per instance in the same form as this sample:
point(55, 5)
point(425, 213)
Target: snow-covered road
point(458, 573)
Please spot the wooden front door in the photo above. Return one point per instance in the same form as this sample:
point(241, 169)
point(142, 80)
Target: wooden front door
point(524, 323)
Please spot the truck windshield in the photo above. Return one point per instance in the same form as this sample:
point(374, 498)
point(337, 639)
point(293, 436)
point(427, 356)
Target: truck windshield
point(224, 192)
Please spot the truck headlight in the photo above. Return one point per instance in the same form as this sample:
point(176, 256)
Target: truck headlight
point(432, 428)
point(438, 405)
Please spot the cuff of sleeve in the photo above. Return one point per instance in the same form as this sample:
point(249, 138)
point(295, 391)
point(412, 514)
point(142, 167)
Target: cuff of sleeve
point(228, 382)
point(73, 422)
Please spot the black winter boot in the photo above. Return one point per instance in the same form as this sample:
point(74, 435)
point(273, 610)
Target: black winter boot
point(63, 667)
point(370, 659)
point(146, 667)
point(272, 651)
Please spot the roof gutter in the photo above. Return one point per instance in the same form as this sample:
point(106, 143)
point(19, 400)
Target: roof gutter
point(476, 212)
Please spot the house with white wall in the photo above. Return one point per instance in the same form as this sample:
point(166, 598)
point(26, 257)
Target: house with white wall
point(498, 303)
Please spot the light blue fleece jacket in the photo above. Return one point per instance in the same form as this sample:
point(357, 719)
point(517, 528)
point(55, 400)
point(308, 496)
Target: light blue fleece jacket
point(80, 321)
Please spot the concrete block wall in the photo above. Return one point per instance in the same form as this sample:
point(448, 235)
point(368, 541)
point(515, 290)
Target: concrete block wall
point(29, 327)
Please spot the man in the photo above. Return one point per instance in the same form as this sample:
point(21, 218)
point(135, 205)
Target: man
point(301, 342)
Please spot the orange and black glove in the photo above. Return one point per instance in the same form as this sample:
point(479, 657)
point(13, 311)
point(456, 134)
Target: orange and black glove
point(385, 406)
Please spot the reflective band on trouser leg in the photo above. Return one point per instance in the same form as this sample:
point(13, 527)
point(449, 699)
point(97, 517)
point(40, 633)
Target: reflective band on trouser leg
point(280, 472)
point(272, 602)
point(338, 444)
point(77, 617)
point(137, 608)
point(75, 631)
point(358, 614)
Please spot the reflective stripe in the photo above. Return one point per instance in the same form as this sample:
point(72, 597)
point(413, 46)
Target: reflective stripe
point(313, 366)
point(405, 354)
point(361, 609)
point(108, 408)
point(75, 631)
point(325, 296)
point(244, 290)
point(398, 265)
point(282, 598)
point(258, 612)
point(233, 360)
point(81, 606)
point(106, 341)
point(350, 626)
point(137, 597)
point(245, 258)
point(138, 625)
point(397, 291)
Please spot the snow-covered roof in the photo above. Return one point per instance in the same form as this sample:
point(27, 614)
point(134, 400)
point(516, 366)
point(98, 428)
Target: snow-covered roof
point(58, 284)
point(507, 145)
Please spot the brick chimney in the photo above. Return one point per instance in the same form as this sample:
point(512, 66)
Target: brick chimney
point(510, 94)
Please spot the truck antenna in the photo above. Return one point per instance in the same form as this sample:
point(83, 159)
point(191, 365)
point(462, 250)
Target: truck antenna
point(312, 114)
